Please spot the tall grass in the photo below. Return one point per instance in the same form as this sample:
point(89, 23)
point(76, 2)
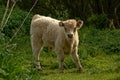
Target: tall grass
point(94, 41)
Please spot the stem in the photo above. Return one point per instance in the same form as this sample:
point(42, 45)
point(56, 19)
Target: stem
point(9, 15)
point(6, 9)
point(22, 23)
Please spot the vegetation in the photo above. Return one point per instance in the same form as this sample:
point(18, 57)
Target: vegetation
point(99, 55)
point(99, 47)
point(77, 8)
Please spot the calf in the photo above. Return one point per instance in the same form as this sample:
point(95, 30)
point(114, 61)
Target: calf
point(54, 34)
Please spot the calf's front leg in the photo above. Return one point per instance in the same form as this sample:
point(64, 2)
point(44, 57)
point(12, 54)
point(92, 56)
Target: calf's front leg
point(75, 57)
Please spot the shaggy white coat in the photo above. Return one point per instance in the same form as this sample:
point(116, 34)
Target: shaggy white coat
point(46, 31)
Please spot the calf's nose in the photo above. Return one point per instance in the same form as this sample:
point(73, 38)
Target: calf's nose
point(70, 35)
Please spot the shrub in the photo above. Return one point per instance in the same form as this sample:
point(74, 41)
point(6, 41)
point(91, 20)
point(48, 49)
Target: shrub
point(15, 21)
point(98, 21)
point(53, 8)
point(95, 42)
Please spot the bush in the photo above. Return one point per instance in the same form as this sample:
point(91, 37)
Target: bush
point(98, 21)
point(15, 21)
point(53, 8)
point(95, 42)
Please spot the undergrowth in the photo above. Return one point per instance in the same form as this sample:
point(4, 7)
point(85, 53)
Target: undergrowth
point(96, 58)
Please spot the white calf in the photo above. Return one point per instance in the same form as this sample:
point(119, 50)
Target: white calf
point(54, 34)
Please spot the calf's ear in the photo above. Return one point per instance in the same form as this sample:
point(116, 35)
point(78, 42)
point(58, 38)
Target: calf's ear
point(79, 24)
point(61, 24)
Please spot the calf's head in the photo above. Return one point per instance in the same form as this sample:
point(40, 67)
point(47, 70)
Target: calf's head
point(71, 27)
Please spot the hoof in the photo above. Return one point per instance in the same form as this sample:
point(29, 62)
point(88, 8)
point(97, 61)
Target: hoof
point(61, 71)
point(39, 69)
point(80, 70)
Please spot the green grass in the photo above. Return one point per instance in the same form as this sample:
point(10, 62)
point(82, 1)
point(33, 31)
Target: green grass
point(17, 64)
point(98, 68)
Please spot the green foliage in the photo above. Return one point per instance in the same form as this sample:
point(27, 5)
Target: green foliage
point(15, 21)
point(78, 8)
point(17, 62)
point(55, 9)
point(2, 38)
point(2, 9)
point(95, 42)
point(1, 2)
point(17, 17)
point(49, 8)
point(98, 21)
point(14, 62)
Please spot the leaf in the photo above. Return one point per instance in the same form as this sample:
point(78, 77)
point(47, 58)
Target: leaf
point(3, 72)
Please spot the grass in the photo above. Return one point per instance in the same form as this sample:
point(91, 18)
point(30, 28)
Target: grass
point(99, 52)
point(17, 62)
point(98, 68)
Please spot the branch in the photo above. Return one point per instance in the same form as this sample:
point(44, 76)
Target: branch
point(22, 23)
point(6, 9)
point(117, 19)
point(14, 3)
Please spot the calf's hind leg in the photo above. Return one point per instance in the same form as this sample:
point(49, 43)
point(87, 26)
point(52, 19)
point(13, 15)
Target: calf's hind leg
point(60, 56)
point(36, 48)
